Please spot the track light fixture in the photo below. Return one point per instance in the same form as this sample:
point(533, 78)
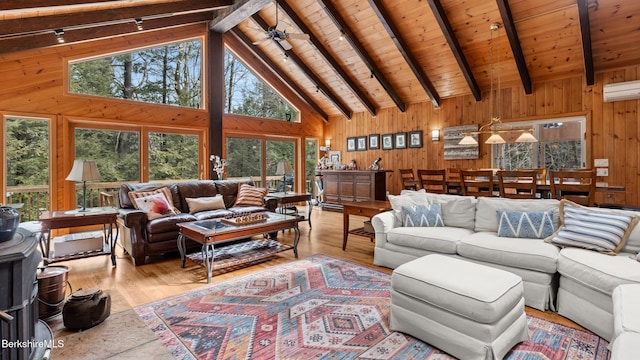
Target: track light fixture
point(58, 33)
point(139, 24)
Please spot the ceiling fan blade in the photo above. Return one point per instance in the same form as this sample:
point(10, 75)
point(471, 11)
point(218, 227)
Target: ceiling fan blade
point(285, 44)
point(298, 36)
point(281, 25)
point(258, 42)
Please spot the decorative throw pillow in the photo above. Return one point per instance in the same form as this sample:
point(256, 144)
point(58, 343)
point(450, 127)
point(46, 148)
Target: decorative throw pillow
point(155, 205)
point(249, 195)
point(590, 228)
point(531, 225)
point(422, 216)
point(205, 203)
point(408, 198)
point(133, 195)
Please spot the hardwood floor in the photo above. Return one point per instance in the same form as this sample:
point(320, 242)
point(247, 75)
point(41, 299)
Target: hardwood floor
point(163, 277)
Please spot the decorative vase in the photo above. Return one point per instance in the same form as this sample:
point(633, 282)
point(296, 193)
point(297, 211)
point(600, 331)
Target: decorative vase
point(9, 221)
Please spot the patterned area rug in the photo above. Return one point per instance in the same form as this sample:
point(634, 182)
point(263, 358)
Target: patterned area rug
point(321, 308)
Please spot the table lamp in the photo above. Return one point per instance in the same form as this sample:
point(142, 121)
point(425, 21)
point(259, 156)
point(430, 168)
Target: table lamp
point(84, 170)
point(284, 168)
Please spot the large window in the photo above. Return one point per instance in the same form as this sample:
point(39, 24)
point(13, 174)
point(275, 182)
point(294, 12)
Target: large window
point(27, 156)
point(247, 94)
point(173, 156)
point(169, 74)
point(116, 152)
point(560, 145)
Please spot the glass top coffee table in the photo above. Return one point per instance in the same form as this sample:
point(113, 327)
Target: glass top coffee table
point(214, 232)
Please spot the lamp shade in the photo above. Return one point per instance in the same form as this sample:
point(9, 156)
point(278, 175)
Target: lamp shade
point(284, 167)
point(468, 140)
point(84, 170)
point(495, 138)
point(526, 137)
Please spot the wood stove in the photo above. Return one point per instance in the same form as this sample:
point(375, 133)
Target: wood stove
point(23, 336)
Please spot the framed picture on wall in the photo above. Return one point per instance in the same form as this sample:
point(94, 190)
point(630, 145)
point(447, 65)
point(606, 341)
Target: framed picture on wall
point(374, 141)
point(361, 143)
point(351, 144)
point(415, 139)
point(387, 141)
point(401, 140)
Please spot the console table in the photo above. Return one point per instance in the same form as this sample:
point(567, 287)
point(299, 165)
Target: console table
point(353, 185)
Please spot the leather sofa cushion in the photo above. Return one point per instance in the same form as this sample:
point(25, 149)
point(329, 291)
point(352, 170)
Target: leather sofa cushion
point(532, 254)
point(168, 224)
point(193, 189)
point(213, 214)
point(598, 271)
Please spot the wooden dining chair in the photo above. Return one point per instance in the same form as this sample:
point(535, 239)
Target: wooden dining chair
point(541, 175)
point(453, 176)
point(408, 180)
point(578, 186)
point(477, 182)
point(433, 181)
point(517, 184)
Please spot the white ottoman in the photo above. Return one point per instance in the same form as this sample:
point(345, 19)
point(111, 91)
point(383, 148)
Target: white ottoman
point(471, 311)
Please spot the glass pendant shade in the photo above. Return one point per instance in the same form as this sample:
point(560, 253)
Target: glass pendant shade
point(495, 138)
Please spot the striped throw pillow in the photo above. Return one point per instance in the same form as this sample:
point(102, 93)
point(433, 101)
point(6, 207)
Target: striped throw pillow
point(591, 228)
point(133, 195)
point(422, 216)
point(249, 195)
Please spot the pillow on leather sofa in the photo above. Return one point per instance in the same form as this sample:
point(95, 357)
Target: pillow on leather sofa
point(205, 203)
point(155, 205)
point(249, 195)
point(133, 195)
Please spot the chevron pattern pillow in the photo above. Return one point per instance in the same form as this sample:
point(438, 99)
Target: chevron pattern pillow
point(591, 228)
point(531, 225)
point(422, 216)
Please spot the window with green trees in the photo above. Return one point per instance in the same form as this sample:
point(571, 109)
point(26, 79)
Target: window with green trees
point(173, 156)
point(248, 94)
point(116, 152)
point(169, 74)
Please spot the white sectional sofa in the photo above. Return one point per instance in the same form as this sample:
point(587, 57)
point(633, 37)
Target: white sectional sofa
point(581, 280)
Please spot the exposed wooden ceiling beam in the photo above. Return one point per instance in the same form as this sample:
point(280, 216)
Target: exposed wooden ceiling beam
point(241, 10)
point(308, 72)
point(322, 51)
point(362, 52)
point(22, 4)
point(454, 45)
point(110, 16)
point(514, 41)
point(585, 29)
point(47, 39)
point(404, 49)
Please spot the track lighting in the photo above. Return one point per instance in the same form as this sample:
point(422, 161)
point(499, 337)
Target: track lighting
point(139, 24)
point(341, 38)
point(286, 58)
point(58, 33)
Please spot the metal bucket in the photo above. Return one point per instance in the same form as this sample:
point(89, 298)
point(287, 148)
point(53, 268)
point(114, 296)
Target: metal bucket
point(52, 285)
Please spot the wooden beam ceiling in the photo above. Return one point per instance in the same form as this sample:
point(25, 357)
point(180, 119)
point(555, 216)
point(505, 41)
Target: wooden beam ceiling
point(402, 46)
point(585, 30)
point(514, 41)
point(454, 45)
point(331, 61)
point(342, 25)
point(241, 10)
point(308, 72)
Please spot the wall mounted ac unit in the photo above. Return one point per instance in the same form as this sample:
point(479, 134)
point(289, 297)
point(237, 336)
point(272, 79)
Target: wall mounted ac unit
point(627, 90)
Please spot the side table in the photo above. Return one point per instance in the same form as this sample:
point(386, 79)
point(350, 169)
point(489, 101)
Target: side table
point(363, 208)
point(286, 199)
point(104, 216)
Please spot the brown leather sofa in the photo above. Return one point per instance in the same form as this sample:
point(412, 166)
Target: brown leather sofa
point(141, 237)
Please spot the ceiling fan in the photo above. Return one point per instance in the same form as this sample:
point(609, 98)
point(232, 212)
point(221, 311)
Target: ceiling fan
point(278, 33)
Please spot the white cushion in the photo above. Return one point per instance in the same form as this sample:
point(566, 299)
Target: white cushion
point(486, 210)
point(532, 254)
point(434, 239)
point(626, 347)
point(205, 203)
point(477, 292)
point(598, 271)
point(626, 308)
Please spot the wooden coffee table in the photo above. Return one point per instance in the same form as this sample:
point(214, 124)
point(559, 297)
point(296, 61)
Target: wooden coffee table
point(217, 231)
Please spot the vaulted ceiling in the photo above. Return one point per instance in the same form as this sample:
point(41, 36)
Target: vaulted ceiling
point(364, 55)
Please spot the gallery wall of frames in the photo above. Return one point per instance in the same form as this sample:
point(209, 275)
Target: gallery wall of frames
point(399, 140)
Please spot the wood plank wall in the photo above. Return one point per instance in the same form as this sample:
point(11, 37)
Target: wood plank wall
point(612, 129)
point(33, 85)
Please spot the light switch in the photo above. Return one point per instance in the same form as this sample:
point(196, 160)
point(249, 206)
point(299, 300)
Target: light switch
point(601, 162)
point(602, 172)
